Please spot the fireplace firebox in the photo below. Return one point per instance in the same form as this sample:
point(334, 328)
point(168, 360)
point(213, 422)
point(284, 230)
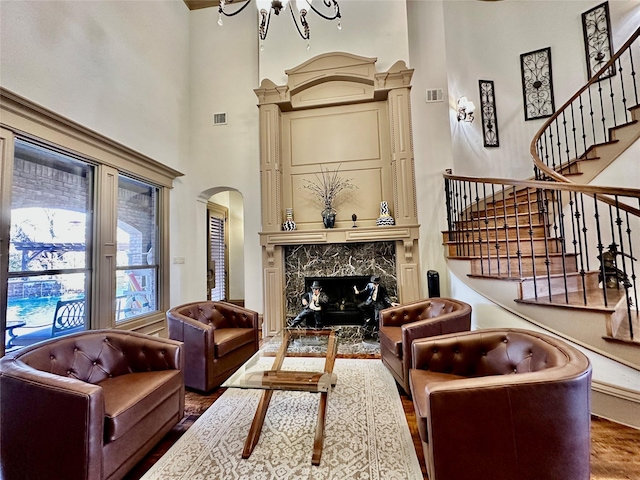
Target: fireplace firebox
point(342, 308)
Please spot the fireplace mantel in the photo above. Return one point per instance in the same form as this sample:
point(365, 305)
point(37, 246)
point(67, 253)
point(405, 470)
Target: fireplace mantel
point(336, 112)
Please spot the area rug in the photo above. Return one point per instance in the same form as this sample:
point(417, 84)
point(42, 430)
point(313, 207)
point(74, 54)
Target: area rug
point(366, 433)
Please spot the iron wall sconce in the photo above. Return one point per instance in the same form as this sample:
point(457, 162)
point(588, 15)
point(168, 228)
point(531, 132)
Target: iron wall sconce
point(465, 109)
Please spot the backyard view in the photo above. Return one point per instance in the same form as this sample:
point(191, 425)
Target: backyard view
point(50, 256)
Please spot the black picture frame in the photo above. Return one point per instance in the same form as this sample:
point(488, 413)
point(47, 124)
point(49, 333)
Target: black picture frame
point(488, 113)
point(537, 84)
point(596, 30)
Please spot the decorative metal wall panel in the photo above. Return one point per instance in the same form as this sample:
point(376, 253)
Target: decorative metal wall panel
point(537, 84)
point(488, 110)
point(596, 27)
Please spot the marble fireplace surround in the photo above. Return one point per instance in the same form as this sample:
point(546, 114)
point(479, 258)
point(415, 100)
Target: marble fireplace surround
point(367, 115)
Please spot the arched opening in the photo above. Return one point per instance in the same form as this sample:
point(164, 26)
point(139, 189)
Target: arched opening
point(226, 205)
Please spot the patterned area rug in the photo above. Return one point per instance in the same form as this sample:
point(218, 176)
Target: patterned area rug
point(366, 433)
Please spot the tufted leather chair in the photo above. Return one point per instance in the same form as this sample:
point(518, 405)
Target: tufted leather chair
point(87, 406)
point(502, 404)
point(401, 325)
point(218, 338)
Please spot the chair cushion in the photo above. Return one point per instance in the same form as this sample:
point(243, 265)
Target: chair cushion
point(391, 338)
point(129, 398)
point(229, 339)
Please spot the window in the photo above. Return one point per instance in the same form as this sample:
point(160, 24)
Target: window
point(87, 223)
point(51, 205)
point(137, 266)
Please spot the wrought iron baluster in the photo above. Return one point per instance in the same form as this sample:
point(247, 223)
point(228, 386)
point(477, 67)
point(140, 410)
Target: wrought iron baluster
point(584, 133)
point(506, 228)
point(633, 274)
point(633, 77)
point(567, 151)
point(562, 240)
point(495, 227)
point(623, 259)
point(479, 229)
point(517, 222)
point(573, 132)
point(531, 242)
point(613, 104)
point(542, 204)
point(622, 90)
point(486, 225)
point(604, 124)
point(600, 248)
point(447, 199)
point(582, 237)
point(591, 114)
point(465, 210)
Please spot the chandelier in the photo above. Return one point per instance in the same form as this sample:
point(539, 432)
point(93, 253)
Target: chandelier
point(265, 7)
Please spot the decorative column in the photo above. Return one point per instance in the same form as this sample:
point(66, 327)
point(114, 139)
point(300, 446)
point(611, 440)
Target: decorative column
point(270, 167)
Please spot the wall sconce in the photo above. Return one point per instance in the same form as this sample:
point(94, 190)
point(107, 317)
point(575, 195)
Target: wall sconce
point(465, 109)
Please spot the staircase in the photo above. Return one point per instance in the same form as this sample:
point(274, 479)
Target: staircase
point(554, 248)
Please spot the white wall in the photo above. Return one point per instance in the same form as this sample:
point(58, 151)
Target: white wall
point(119, 68)
point(484, 40)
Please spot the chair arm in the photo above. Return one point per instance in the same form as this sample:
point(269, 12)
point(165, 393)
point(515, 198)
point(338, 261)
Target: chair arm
point(52, 426)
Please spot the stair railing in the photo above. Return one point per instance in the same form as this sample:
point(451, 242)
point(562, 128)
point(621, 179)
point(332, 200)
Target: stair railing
point(587, 118)
point(566, 243)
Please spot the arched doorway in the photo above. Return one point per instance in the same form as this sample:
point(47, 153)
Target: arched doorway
point(225, 245)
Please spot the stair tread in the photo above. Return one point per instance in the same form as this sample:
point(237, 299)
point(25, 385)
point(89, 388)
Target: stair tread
point(595, 300)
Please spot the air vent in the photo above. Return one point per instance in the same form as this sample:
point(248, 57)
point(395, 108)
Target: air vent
point(219, 118)
point(434, 95)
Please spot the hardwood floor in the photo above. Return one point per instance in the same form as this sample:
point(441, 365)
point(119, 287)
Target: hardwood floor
point(615, 448)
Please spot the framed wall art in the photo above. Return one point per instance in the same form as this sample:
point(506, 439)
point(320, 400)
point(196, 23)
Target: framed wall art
point(596, 27)
point(537, 84)
point(488, 111)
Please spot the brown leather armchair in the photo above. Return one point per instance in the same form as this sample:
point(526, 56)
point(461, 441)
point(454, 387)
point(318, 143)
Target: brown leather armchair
point(218, 338)
point(87, 406)
point(502, 404)
point(401, 325)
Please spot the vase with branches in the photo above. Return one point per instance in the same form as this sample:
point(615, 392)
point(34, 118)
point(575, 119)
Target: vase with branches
point(326, 189)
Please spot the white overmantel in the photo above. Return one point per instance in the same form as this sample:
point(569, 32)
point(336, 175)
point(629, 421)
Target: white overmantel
point(337, 111)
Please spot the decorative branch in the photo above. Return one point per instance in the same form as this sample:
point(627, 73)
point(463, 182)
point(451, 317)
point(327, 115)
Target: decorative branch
point(328, 186)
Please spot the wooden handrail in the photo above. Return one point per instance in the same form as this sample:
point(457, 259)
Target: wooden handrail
point(595, 79)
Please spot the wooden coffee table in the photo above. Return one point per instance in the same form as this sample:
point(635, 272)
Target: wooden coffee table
point(289, 343)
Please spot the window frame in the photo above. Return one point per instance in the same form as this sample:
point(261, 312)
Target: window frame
point(21, 118)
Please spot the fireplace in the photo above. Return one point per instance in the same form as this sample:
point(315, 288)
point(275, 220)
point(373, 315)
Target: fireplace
point(338, 267)
point(342, 308)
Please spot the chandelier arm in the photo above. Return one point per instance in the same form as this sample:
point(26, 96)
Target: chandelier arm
point(328, 4)
point(263, 30)
point(305, 36)
point(220, 10)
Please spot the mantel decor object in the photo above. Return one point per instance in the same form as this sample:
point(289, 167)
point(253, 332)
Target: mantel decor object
point(289, 225)
point(325, 189)
point(385, 217)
